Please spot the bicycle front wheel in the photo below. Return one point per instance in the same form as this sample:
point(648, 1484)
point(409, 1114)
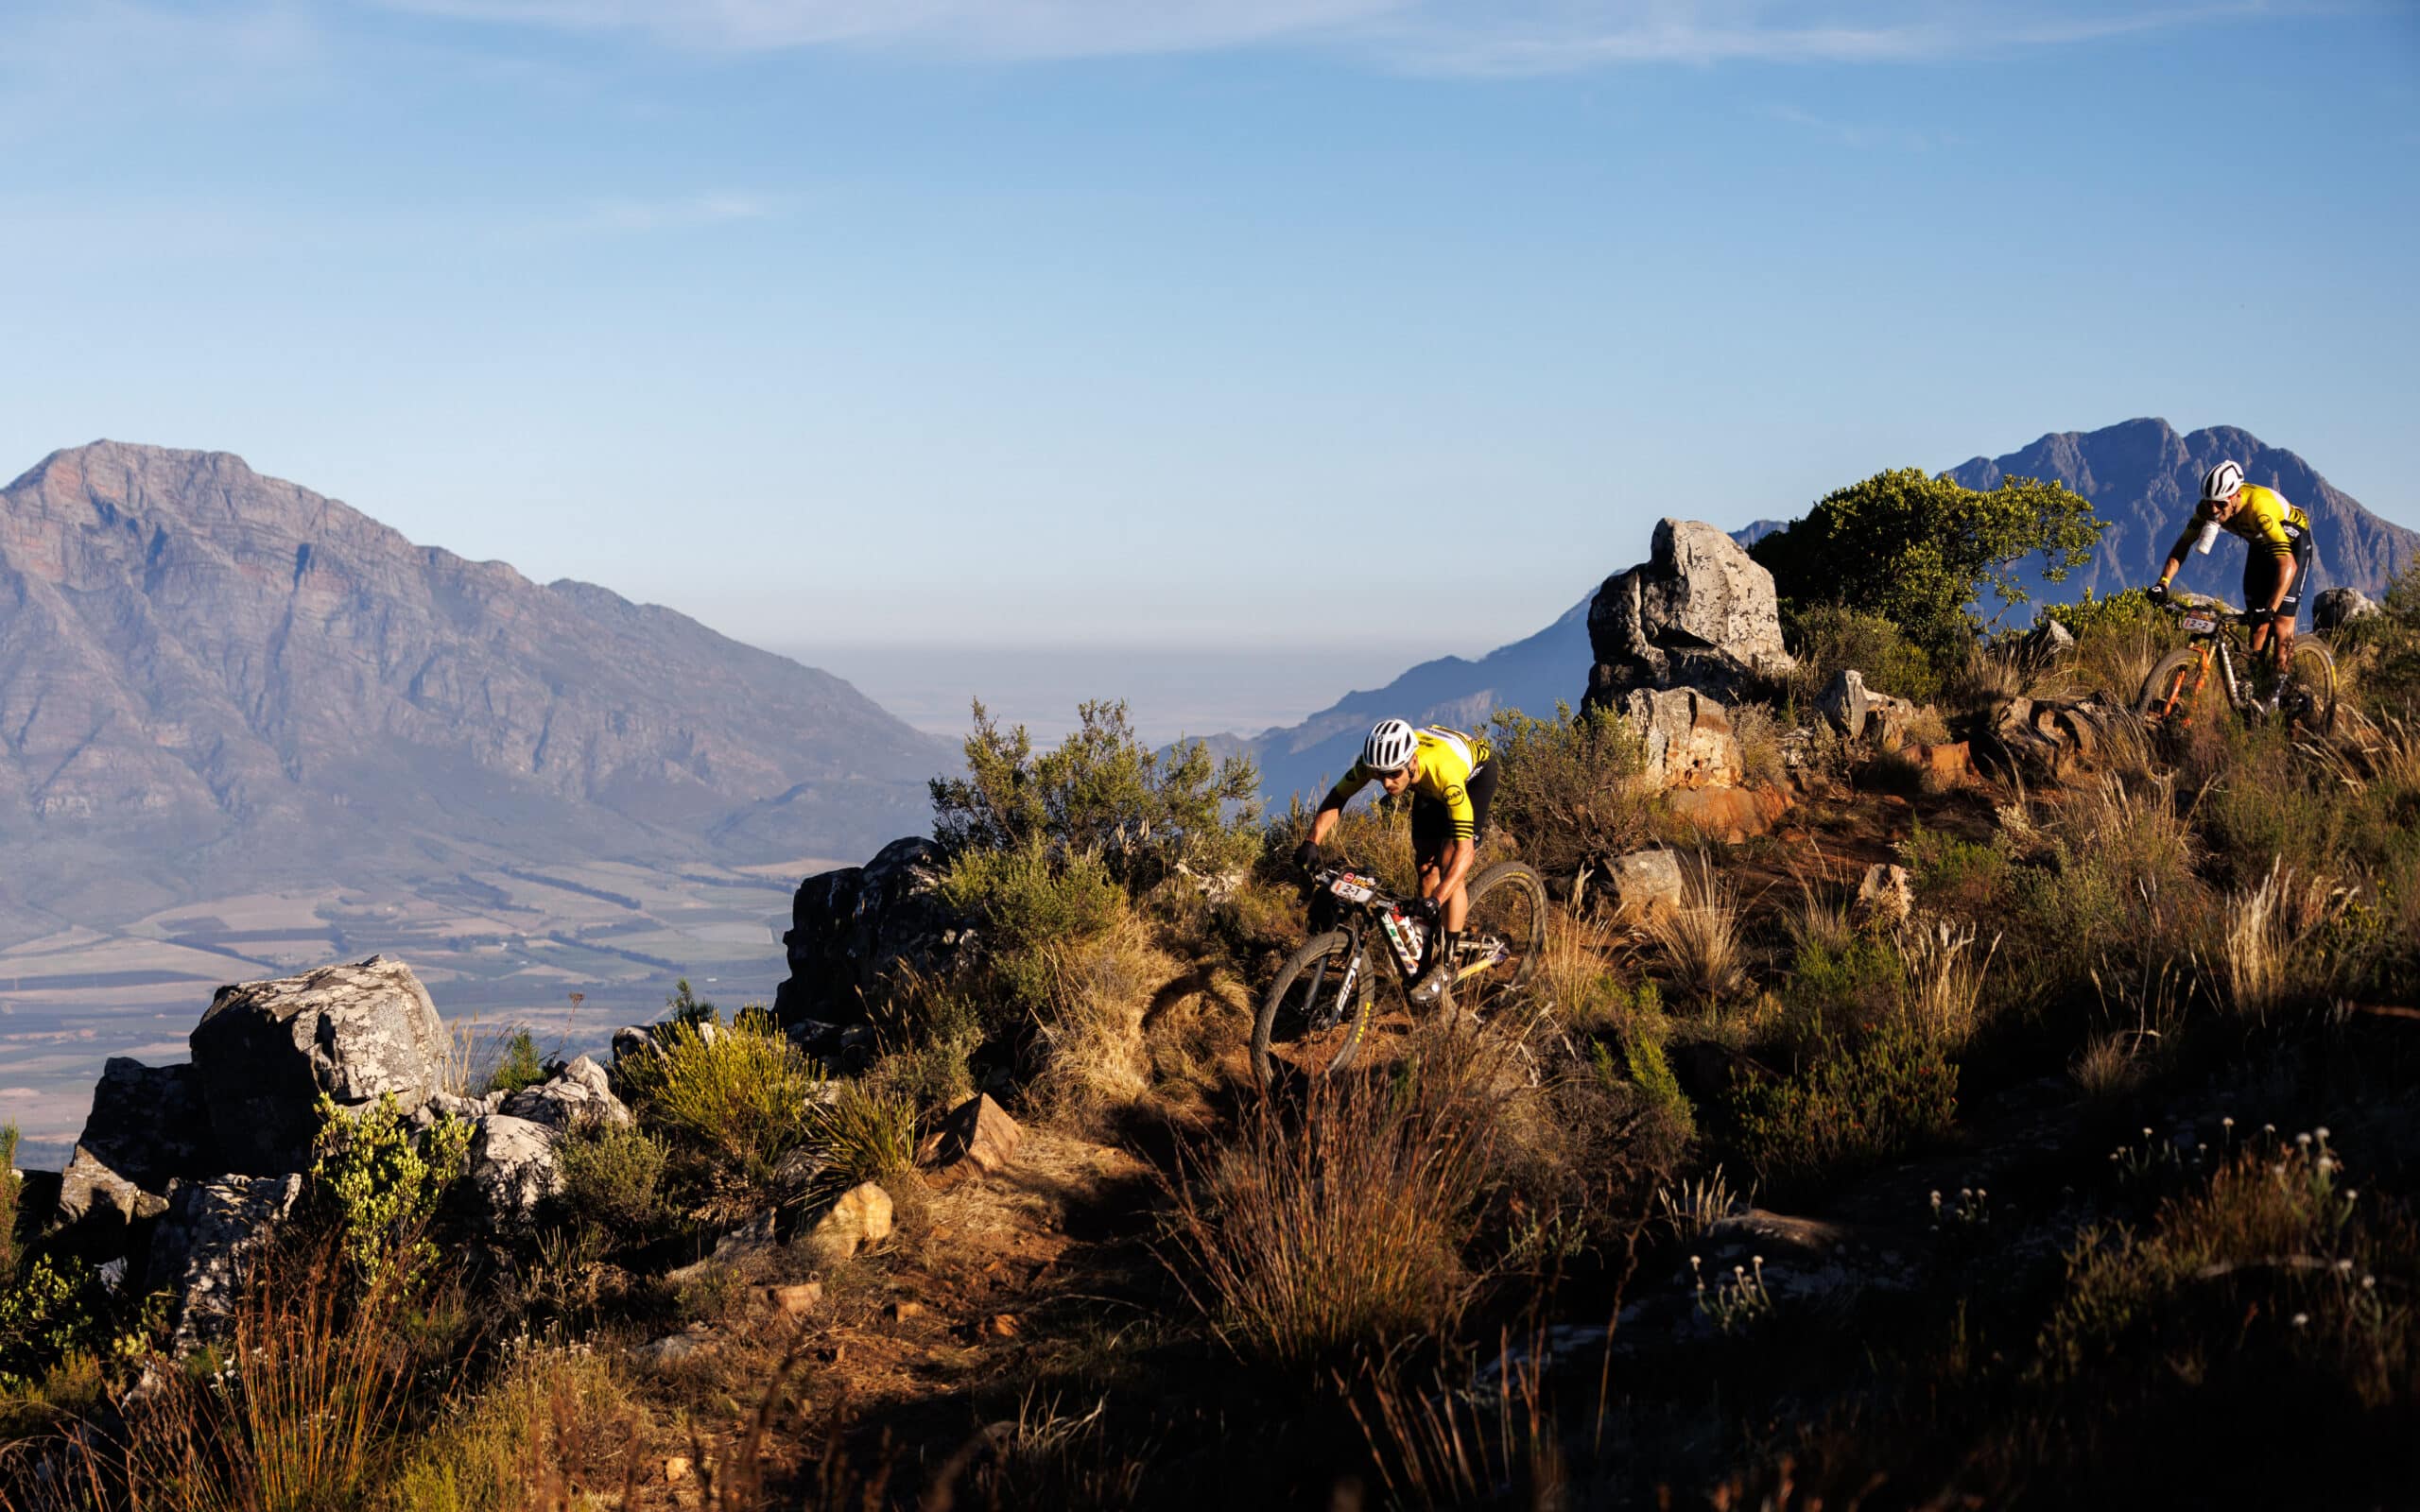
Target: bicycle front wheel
point(2308, 699)
point(2168, 693)
point(1505, 933)
point(1316, 1013)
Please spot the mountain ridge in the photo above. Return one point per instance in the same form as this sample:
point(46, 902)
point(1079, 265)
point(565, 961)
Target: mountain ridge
point(204, 665)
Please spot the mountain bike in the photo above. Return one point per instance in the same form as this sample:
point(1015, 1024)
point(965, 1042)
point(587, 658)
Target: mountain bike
point(2305, 696)
point(1317, 1015)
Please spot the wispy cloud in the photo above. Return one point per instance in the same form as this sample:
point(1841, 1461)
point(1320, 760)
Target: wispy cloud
point(633, 216)
point(1857, 135)
point(1487, 37)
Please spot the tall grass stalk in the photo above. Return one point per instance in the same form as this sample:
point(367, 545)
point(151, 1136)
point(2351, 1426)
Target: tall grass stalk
point(305, 1418)
point(1944, 976)
point(1700, 939)
point(1340, 1219)
point(2264, 930)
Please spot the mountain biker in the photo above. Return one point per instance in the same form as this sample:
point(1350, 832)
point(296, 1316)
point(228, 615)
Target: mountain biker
point(2277, 568)
point(1451, 775)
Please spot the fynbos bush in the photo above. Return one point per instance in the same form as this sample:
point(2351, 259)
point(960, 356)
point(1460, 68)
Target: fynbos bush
point(383, 1182)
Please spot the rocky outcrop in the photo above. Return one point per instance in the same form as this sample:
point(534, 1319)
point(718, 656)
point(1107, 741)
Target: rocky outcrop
point(850, 928)
point(2340, 607)
point(1866, 714)
point(578, 1093)
point(1698, 614)
point(265, 1051)
point(210, 1231)
point(1688, 738)
point(2042, 740)
point(148, 1128)
point(512, 1168)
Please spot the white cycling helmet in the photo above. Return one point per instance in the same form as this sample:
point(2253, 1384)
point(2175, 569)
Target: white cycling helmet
point(2220, 482)
point(1389, 748)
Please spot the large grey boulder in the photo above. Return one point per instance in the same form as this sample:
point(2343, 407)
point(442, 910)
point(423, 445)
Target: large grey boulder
point(148, 1127)
point(851, 928)
point(512, 1168)
point(265, 1051)
point(1698, 614)
point(205, 1240)
point(2340, 607)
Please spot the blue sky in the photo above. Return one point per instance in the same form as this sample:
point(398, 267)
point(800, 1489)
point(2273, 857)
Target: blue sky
point(1161, 322)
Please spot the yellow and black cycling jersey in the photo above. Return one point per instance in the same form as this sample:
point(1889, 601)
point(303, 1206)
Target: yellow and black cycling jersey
point(1447, 758)
point(2262, 517)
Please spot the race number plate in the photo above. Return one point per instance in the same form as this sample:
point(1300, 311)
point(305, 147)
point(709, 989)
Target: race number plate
point(2201, 623)
point(1351, 889)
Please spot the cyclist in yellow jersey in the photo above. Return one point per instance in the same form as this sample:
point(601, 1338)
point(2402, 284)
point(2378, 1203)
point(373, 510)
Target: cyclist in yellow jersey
point(1451, 777)
point(2280, 563)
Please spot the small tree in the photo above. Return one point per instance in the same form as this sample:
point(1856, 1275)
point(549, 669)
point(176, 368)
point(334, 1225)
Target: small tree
point(1917, 549)
point(1101, 791)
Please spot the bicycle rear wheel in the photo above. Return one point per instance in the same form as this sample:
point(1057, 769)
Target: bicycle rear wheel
point(2168, 693)
point(1505, 933)
point(2308, 697)
point(1316, 1014)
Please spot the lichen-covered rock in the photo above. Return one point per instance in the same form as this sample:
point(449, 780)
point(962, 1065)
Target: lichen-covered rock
point(147, 1129)
point(1866, 714)
point(1686, 735)
point(512, 1168)
point(862, 1216)
point(578, 1093)
point(265, 1052)
point(1647, 885)
point(1698, 612)
point(204, 1240)
point(851, 927)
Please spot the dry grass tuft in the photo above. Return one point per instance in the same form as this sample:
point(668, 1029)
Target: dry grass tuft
point(1701, 940)
point(1945, 977)
point(1095, 1056)
point(2264, 930)
point(2109, 1068)
point(1691, 1208)
point(1340, 1220)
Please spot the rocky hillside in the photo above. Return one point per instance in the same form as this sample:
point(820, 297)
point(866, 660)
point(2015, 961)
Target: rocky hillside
point(2144, 479)
point(204, 672)
point(2141, 476)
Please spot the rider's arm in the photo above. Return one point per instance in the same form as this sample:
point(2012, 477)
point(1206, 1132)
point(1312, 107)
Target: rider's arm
point(2194, 523)
point(1332, 807)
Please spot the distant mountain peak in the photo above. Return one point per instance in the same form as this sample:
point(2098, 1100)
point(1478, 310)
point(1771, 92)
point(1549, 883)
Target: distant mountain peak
point(203, 668)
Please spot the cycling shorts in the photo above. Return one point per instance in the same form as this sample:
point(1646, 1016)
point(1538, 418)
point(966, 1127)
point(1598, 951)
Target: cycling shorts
point(1432, 823)
point(2260, 573)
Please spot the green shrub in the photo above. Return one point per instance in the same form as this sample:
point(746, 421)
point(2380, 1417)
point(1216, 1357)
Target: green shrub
point(517, 1065)
point(383, 1182)
point(1566, 788)
point(613, 1174)
point(1104, 792)
point(1030, 900)
point(860, 1134)
point(54, 1309)
point(1849, 1106)
point(2128, 611)
point(1829, 638)
point(737, 1092)
point(1835, 985)
point(1917, 549)
point(683, 1005)
point(1953, 874)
